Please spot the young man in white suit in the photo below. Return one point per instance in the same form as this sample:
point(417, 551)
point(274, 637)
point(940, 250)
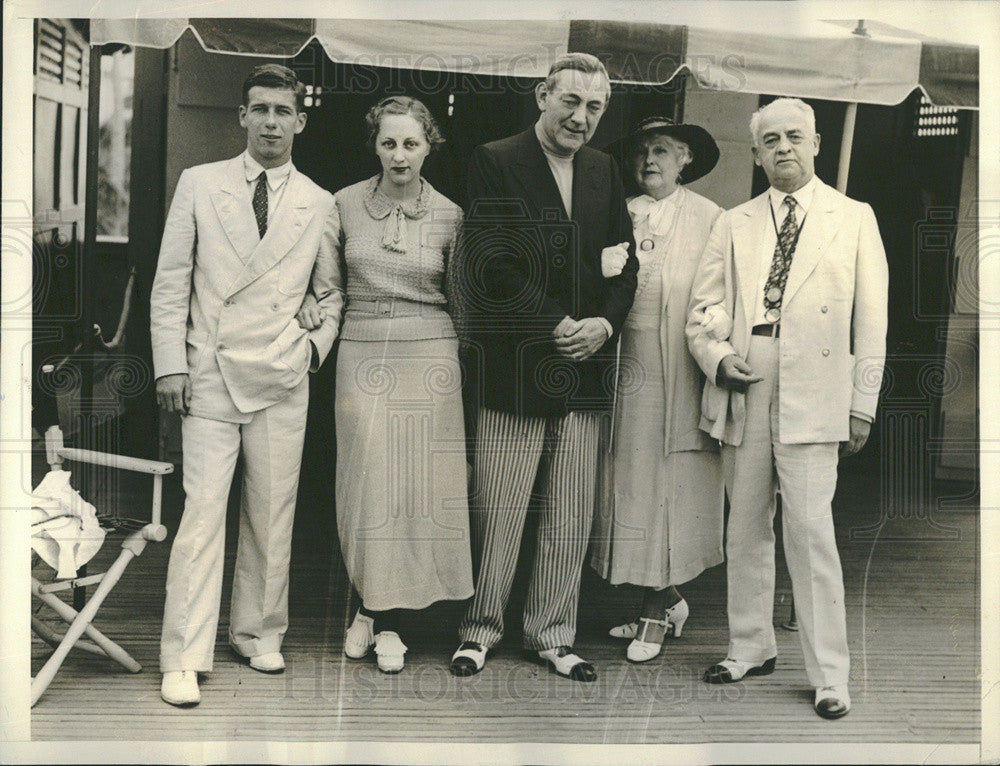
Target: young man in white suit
point(788, 322)
point(243, 241)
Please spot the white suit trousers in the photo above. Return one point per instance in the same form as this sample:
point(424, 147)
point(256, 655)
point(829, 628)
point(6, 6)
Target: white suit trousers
point(271, 445)
point(807, 477)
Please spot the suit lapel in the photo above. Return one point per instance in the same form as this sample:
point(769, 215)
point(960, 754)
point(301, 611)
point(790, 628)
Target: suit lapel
point(587, 206)
point(817, 232)
point(749, 232)
point(534, 174)
point(671, 265)
point(282, 233)
point(235, 210)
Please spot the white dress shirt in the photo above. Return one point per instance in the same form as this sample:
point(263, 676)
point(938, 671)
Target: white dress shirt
point(803, 199)
point(276, 178)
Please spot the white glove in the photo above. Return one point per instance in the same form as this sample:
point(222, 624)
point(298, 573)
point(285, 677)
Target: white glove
point(716, 323)
point(613, 259)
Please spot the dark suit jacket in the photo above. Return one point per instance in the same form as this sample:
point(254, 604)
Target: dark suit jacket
point(526, 265)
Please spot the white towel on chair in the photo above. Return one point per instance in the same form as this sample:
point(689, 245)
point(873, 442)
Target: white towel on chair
point(64, 527)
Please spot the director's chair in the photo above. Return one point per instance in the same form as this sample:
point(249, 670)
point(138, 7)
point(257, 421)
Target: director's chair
point(132, 546)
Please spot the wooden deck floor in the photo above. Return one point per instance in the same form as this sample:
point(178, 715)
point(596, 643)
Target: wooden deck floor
point(913, 620)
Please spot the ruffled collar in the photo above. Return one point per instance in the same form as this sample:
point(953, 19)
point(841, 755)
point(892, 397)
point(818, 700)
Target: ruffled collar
point(379, 206)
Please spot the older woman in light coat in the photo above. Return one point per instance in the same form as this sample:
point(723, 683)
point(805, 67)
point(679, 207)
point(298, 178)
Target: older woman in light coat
point(659, 517)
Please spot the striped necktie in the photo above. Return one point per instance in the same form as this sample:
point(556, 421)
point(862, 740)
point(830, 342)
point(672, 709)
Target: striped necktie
point(774, 289)
point(260, 203)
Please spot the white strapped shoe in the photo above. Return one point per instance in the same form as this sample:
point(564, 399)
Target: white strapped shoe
point(644, 646)
point(675, 617)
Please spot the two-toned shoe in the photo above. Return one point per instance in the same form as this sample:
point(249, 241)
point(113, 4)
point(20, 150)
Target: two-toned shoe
point(730, 671)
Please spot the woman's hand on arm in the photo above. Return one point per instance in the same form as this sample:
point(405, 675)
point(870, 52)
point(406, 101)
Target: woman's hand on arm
point(311, 314)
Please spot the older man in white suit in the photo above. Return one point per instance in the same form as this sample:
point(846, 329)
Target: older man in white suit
point(243, 241)
point(788, 322)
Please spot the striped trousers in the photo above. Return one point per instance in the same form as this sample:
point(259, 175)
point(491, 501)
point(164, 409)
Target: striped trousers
point(512, 451)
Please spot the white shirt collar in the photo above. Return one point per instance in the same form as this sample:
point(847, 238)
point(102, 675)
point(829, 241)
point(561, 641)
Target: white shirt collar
point(803, 199)
point(275, 176)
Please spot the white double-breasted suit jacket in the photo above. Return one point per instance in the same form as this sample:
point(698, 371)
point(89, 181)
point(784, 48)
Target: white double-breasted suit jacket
point(224, 300)
point(833, 317)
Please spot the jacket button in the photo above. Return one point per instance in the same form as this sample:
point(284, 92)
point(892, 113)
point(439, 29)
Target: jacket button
point(826, 352)
point(274, 307)
point(227, 302)
point(824, 309)
point(221, 347)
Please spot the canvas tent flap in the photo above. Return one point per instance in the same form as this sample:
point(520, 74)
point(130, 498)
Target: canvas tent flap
point(841, 67)
point(506, 48)
point(822, 60)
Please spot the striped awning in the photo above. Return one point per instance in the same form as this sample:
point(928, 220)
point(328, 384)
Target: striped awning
point(822, 60)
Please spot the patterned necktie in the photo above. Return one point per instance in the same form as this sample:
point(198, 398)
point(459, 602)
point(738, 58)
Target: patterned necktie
point(774, 289)
point(260, 203)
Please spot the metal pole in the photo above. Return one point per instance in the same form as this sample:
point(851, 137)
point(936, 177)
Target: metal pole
point(86, 361)
point(90, 195)
point(846, 144)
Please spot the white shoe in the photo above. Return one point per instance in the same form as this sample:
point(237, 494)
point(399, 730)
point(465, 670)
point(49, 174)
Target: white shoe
point(730, 671)
point(832, 701)
point(628, 630)
point(468, 659)
point(180, 688)
point(641, 649)
point(562, 660)
point(272, 662)
point(389, 649)
point(359, 637)
point(675, 617)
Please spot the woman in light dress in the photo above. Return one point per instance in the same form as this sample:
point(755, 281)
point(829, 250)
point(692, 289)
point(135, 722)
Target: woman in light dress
point(659, 520)
point(401, 489)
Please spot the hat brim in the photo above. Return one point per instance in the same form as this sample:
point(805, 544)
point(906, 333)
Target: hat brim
point(704, 150)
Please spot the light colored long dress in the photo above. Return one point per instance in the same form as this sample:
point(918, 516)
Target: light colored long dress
point(401, 487)
point(660, 494)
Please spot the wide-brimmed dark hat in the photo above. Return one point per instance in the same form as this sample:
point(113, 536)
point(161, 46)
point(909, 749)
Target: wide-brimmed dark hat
point(704, 150)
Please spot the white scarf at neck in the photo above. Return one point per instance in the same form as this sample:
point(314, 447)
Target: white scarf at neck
point(658, 212)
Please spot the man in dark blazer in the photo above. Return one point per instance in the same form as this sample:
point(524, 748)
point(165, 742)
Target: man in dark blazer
point(549, 276)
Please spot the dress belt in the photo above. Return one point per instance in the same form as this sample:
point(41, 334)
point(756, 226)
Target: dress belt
point(771, 330)
point(392, 307)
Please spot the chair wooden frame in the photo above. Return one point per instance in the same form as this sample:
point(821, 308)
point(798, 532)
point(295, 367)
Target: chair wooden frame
point(133, 545)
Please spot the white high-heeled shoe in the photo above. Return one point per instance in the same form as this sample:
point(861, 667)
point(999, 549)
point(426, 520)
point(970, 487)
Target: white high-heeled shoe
point(641, 649)
point(675, 617)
